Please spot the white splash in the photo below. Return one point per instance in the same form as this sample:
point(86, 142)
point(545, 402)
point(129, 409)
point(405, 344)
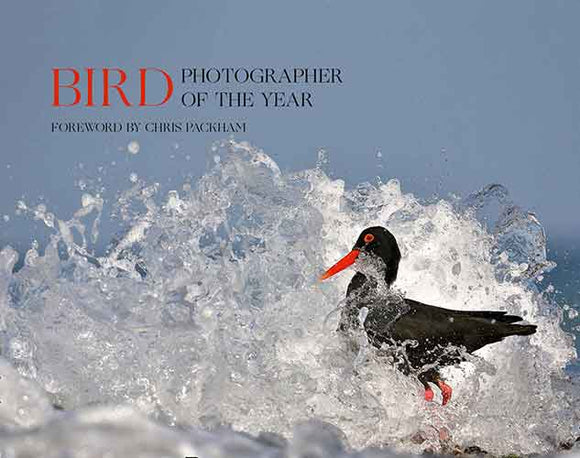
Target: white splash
point(207, 313)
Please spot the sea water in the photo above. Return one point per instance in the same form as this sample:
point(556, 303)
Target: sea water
point(203, 330)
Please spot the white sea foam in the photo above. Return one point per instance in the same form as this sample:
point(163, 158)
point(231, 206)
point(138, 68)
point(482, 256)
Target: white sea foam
point(206, 315)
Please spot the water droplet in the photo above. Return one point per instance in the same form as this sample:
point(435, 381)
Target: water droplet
point(456, 269)
point(133, 147)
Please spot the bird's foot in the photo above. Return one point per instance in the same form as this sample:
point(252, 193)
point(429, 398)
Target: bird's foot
point(446, 391)
point(428, 394)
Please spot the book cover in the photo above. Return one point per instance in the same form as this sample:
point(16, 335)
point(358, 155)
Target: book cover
point(311, 228)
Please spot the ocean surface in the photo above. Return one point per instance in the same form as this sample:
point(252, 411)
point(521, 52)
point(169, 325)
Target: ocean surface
point(202, 331)
point(565, 279)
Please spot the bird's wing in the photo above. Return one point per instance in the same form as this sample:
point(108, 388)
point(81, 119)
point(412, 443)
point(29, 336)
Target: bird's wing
point(439, 326)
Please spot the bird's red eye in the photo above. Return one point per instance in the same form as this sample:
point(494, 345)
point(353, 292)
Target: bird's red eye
point(369, 238)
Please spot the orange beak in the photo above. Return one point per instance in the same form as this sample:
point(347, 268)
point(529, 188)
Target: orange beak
point(348, 260)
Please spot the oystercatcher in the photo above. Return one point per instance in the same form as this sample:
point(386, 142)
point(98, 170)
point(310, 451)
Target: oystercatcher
point(420, 338)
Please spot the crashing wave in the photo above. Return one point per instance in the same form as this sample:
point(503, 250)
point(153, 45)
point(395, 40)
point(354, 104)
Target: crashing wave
point(206, 315)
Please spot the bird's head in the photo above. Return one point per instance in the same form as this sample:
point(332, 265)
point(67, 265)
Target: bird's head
point(376, 244)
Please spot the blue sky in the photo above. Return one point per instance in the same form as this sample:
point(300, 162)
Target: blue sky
point(455, 94)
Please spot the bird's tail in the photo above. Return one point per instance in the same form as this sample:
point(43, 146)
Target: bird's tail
point(486, 327)
point(521, 329)
point(505, 325)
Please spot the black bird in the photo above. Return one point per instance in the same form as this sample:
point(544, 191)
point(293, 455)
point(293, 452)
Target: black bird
point(424, 338)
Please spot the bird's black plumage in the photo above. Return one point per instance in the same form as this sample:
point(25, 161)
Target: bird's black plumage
point(432, 337)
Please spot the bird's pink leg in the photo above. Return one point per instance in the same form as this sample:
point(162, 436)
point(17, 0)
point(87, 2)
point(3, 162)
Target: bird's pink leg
point(428, 393)
point(446, 391)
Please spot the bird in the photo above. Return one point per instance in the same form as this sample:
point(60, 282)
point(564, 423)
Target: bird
point(422, 338)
